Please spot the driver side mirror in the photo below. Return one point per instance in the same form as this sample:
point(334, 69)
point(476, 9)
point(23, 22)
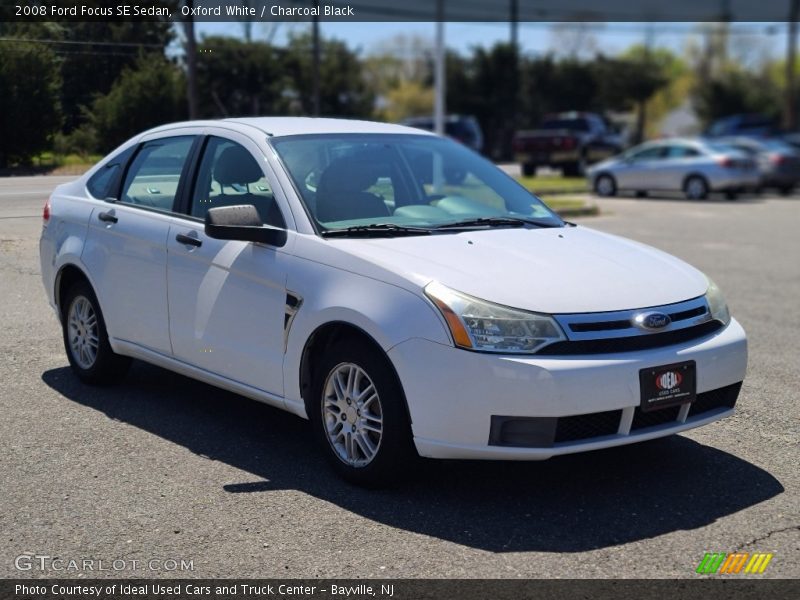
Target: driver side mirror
point(243, 223)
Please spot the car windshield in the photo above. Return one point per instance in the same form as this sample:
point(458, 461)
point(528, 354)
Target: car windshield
point(410, 181)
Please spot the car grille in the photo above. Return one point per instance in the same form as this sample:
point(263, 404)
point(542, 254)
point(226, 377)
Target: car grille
point(547, 432)
point(632, 343)
point(579, 427)
point(720, 398)
point(643, 420)
point(611, 332)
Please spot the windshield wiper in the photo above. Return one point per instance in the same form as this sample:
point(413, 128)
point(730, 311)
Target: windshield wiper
point(375, 230)
point(496, 222)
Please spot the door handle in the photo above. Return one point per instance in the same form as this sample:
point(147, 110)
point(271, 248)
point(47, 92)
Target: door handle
point(107, 217)
point(189, 240)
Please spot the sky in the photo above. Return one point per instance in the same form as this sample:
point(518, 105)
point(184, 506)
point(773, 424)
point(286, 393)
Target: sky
point(535, 38)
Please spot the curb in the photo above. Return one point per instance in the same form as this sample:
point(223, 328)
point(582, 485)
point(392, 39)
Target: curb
point(590, 210)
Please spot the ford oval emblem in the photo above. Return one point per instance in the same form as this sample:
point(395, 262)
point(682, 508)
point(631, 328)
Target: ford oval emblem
point(651, 321)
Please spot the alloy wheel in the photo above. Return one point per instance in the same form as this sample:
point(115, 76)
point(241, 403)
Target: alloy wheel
point(696, 188)
point(352, 414)
point(83, 332)
point(605, 186)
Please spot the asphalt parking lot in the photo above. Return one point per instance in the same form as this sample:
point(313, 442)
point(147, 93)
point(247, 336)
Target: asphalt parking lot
point(163, 467)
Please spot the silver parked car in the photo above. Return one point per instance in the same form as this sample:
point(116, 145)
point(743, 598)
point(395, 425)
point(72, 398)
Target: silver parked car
point(694, 167)
point(778, 162)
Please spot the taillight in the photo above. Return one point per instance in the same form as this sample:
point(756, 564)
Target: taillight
point(46, 212)
point(777, 159)
point(518, 145)
point(726, 161)
point(569, 143)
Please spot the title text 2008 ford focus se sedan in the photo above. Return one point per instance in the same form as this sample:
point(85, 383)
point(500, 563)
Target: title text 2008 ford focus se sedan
point(395, 288)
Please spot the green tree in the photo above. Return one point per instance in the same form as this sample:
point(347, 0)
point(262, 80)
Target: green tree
point(550, 85)
point(29, 103)
point(629, 83)
point(484, 85)
point(237, 78)
point(407, 99)
point(149, 93)
point(343, 89)
point(92, 54)
point(91, 69)
point(736, 91)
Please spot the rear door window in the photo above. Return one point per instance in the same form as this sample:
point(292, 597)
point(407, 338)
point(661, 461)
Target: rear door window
point(680, 151)
point(653, 153)
point(153, 177)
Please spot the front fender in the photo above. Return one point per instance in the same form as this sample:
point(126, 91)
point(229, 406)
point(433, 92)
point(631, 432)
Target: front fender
point(387, 313)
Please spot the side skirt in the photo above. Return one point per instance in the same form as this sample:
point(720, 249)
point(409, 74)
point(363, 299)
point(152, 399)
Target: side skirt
point(173, 364)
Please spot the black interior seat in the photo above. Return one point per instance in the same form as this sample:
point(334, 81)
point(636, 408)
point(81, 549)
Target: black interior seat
point(237, 167)
point(341, 194)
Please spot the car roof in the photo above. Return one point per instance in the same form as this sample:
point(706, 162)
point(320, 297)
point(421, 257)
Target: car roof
point(284, 126)
point(670, 141)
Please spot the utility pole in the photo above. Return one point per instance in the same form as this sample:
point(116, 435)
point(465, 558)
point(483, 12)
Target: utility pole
point(790, 109)
point(514, 21)
point(439, 72)
point(315, 51)
point(513, 109)
point(191, 62)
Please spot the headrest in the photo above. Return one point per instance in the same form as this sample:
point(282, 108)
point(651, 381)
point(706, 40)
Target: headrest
point(348, 175)
point(236, 165)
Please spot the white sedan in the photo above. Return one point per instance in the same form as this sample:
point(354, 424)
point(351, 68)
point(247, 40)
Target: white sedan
point(334, 269)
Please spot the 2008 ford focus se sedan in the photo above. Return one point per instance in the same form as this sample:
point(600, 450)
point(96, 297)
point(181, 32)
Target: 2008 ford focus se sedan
point(393, 287)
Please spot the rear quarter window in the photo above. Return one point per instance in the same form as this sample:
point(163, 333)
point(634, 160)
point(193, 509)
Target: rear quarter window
point(105, 182)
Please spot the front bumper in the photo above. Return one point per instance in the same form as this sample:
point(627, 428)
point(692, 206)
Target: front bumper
point(453, 394)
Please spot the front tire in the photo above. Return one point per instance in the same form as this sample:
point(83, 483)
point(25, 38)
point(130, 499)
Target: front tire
point(359, 415)
point(605, 185)
point(86, 340)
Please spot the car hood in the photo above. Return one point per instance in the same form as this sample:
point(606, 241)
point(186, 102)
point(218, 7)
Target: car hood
point(612, 161)
point(558, 270)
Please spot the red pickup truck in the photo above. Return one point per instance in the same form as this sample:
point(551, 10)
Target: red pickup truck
point(568, 141)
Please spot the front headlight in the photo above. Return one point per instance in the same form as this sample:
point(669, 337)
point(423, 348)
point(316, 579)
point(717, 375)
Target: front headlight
point(716, 304)
point(479, 325)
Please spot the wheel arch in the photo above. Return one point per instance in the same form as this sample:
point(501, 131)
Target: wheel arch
point(67, 275)
point(604, 173)
point(691, 174)
point(321, 340)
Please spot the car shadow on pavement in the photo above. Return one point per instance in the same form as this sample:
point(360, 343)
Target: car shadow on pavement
point(567, 504)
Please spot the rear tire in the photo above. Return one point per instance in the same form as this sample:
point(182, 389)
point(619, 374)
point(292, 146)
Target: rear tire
point(786, 190)
point(731, 195)
point(86, 340)
point(359, 416)
point(695, 187)
point(605, 185)
point(528, 169)
point(641, 194)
